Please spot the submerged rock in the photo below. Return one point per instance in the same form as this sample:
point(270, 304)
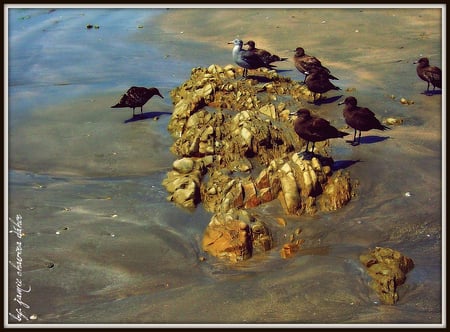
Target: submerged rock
point(388, 269)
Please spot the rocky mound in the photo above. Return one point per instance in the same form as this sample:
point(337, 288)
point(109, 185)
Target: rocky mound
point(388, 269)
point(238, 149)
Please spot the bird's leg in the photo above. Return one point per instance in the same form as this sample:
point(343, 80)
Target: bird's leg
point(141, 110)
point(354, 139)
point(307, 155)
point(355, 143)
point(306, 149)
point(428, 89)
point(305, 152)
point(133, 112)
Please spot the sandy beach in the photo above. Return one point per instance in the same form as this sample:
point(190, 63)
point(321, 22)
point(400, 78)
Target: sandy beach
point(101, 242)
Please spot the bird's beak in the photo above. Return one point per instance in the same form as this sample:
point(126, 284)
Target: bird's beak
point(415, 62)
point(341, 102)
point(231, 42)
point(293, 113)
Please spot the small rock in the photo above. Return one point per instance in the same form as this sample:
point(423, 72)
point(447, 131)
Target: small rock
point(281, 222)
point(289, 249)
point(393, 121)
point(184, 165)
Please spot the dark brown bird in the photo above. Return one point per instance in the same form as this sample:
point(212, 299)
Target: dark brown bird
point(360, 118)
point(137, 96)
point(267, 57)
point(314, 129)
point(318, 81)
point(429, 74)
point(304, 63)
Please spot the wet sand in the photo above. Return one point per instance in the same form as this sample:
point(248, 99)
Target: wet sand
point(125, 255)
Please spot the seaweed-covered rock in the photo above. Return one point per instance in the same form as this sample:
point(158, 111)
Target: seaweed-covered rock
point(388, 269)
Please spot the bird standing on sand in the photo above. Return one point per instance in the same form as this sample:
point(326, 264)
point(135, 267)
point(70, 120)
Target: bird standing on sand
point(318, 81)
point(304, 63)
point(267, 57)
point(429, 74)
point(247, 59)
point(314, 129)
point(359, 118)
point(137, 96)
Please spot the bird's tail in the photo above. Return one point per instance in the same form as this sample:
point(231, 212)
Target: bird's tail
point(331, 77)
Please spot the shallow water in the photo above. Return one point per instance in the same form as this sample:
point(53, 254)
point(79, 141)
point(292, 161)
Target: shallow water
point(102, 244)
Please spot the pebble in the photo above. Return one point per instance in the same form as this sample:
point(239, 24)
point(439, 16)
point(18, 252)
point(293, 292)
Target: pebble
point(281, 221)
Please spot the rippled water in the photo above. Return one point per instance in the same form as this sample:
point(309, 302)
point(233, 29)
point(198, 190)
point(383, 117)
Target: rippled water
point(102, 244)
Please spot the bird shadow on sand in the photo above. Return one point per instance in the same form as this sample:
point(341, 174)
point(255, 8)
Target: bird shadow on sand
point(370, 139)
point(432, 93)
point(343, 164)
point(145, 116)
point(283, 70)
point(327, 100)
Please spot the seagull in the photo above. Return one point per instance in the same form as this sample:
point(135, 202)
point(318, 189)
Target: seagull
point(267, 57)
point(359, 118)
point(137, 96)
point(247, 59)
point(314, 129)
point(304, 63)
point(429, 74)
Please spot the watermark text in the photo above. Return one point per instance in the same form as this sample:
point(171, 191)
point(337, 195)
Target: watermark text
point(19, 312)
